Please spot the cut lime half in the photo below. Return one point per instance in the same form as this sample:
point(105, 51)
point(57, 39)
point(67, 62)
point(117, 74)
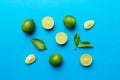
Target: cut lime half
point(61, 38)
point(47, 22)
point(86, 59)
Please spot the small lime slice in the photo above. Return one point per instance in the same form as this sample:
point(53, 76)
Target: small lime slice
point(47, 22)
point(89, 24)
point(86, 60)
point(61, 38)
point(30, 59)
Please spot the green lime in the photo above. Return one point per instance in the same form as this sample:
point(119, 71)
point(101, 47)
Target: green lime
point(28, 26)
point(55, 59)
point(69, 22)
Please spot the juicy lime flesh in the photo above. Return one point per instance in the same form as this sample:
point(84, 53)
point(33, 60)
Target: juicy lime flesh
point(86, 60)
point(70, 22)
point(61, 38)
point(47, 22)
point(28, 26)
point(55, 59)
point(89, 24)
point(30, 59)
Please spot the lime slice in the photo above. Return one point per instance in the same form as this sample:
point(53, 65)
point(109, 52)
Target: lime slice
point(47, 22)
point(89, 24)
point(61, 38)
point(86, 60)
point(30, 59)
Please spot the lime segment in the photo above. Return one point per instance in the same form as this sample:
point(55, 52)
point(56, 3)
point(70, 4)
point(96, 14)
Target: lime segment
point(61, 38)
point(89, 24)
point(30, 59)
point(86, 59)
point(47, 22)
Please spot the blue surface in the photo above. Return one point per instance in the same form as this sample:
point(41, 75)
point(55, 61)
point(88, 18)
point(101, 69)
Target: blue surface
point(15, 45)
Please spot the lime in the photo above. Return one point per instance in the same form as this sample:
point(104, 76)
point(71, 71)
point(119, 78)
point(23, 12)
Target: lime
point(86, 60)
point(30, 59)
point(47, 22)
point(89, 24)
point(69, 22)
point(28, 26)
point(55, 59)
point(61, 38)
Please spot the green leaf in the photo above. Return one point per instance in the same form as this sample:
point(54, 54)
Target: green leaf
point(85, 45)
point(39, 44)
point(77, 39)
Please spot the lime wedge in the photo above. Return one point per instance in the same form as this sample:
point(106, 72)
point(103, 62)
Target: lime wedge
point(86, 60)
point(61, 38)
point(89, 24)
point(47, 22)
point(30, 59)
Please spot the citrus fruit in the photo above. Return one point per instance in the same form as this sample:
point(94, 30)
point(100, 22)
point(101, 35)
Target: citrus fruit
point(69, 22)
point(89, 24)
point(28, 26)
point(61, 38)
point(86, 59)
point(55, 59)
point(47, 22)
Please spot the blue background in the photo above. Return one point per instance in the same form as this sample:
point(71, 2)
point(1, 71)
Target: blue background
point(16, 45)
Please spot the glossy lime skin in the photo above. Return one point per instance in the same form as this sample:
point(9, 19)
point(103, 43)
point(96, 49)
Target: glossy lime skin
point(55, 59)
point(28, 26)
point(69, 22)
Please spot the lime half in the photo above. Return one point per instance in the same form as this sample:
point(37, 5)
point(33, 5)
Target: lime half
point(89, 24)
point(47, 22)
point(86, 60)
point(61, 38)
point(30, 59)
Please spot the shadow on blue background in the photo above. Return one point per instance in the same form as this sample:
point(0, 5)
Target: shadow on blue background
point(15, 45)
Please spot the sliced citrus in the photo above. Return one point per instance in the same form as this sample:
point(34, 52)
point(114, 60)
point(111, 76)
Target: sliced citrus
point(30, 59)
point(89, 24)
point(86, 59)
point(61, 38)
point(47, 22)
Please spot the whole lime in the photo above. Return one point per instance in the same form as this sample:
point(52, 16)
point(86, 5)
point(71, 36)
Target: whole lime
point(69, 22)
point(55, 59)
point(28, 26)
